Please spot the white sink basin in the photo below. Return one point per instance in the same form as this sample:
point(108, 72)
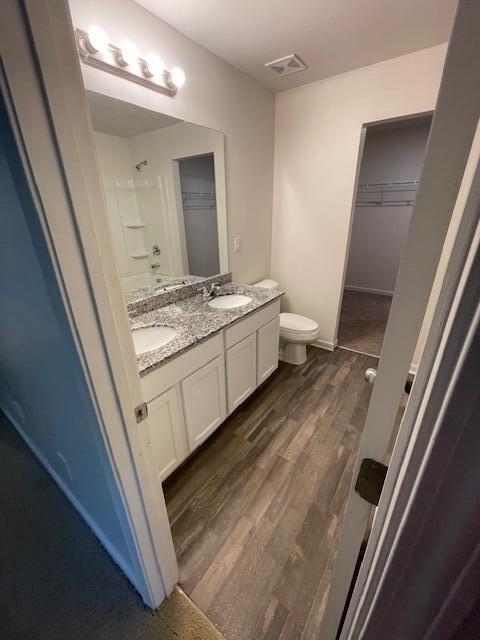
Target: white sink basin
point(230, 301)
point(149, 338)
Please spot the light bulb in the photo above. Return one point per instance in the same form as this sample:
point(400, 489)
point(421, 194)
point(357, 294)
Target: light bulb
point(128, 53)
point(154, 66)
point(178, 77)
point(97, 40)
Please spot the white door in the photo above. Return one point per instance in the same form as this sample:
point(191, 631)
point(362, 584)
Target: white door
point(267, 349)
point(451, 145)
point(167, 432)
point(241, 371)
point(204, 401)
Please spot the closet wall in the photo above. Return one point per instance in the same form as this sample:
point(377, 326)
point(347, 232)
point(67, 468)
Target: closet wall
point(197, 179)
point(392, 153)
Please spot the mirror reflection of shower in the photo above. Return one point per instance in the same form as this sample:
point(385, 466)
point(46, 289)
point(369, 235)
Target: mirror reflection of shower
point(163, 238)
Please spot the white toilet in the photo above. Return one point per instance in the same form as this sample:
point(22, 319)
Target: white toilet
point(295, 331)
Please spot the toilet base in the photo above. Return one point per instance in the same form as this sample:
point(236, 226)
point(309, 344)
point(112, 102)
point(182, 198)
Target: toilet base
point(292, 352)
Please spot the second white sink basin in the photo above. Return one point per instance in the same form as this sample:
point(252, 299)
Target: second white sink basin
point(149, 338)
point(230, 301)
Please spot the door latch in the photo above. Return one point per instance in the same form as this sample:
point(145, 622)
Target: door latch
point(370, 480)
point(141, 412)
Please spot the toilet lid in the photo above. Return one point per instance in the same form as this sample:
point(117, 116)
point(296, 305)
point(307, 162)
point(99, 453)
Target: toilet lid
point(296, 323)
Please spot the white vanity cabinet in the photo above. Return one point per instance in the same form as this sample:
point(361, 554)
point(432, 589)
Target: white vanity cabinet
point(167, 432)
point(241, 364)
point(204, 401)
point(191, 395)
point(268, 338)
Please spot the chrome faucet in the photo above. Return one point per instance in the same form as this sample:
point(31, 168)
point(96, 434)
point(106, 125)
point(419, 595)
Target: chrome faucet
point(212, 292)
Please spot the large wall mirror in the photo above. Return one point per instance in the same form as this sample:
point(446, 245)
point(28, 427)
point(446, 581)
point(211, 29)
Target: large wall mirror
point(164, 181)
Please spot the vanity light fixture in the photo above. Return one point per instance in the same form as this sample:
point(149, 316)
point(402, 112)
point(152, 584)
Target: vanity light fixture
point(96, 40)
point(128, 54)
point(95, 50)
point(153, 66)
point(178, 77)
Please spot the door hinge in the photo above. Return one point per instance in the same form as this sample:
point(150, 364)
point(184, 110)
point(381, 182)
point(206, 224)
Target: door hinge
point(370, 480)
point(141, 412)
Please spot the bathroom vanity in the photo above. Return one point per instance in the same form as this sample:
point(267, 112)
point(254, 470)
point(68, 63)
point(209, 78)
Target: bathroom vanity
point(198, 358)
point(218, 356)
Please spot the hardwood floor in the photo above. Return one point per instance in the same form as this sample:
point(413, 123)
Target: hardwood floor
point(363, 320)
point(256, 512)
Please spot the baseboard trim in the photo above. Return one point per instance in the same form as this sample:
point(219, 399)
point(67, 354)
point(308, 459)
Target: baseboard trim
point(323, 344)
point(379, 292)
point(362, 353)
point(92, 524)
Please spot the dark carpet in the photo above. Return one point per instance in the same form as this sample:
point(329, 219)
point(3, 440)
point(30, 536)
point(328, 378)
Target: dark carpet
point(56, 580)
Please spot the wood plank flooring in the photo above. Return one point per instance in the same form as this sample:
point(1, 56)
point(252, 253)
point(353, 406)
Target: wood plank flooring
point(256, 512)
point(363, 320)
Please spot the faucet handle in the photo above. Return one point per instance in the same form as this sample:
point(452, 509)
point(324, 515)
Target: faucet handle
point(204, 291)
point(214, 287)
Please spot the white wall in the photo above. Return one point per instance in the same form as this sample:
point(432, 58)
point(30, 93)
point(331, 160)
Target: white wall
point(379, 232)
point(447, 249)
point(317, 139)
point(215, 95)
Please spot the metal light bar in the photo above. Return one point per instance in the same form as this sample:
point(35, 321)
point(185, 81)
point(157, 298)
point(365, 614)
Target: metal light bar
point(111, 60)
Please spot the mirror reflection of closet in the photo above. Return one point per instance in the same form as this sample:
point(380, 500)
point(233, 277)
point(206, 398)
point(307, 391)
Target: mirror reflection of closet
point(197, 180)
point(164, 182)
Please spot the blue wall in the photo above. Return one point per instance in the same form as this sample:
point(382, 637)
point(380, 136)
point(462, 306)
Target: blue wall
point(42, 385)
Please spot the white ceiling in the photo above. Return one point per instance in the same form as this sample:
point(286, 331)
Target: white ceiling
point(119, 118)
point(331, 36)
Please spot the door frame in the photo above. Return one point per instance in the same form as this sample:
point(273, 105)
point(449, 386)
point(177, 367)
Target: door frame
point(421, 454)
point(449, 148)
point(48, 112)
point(56, 134)
point(365, 128)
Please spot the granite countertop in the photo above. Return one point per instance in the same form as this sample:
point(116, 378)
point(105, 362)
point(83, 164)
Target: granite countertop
point(195, 321)
point(160, 286)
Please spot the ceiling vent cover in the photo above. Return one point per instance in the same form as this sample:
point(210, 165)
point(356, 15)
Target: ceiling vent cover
point(288, 65)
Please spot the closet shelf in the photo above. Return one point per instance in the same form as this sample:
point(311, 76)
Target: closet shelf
point(198, 200)
point(387, 194)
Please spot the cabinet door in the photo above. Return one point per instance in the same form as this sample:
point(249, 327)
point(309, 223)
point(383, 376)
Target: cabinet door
point(241, 371)
point(204, 401)
point(267, 349)
point(167, 432)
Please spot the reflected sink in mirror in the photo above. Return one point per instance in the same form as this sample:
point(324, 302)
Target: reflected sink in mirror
point(230, 301)
point(149, 338)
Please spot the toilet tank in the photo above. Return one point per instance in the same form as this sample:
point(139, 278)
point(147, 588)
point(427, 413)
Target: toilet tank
point(267, 284)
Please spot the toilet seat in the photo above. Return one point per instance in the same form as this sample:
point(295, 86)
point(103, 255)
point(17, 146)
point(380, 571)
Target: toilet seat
point(295, 323)
point(296, 331)
point(297, 328)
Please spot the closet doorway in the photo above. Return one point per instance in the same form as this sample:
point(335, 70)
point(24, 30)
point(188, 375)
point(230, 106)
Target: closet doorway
point(389, 175)
point(199, 204)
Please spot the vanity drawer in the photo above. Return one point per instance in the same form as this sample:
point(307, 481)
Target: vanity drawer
point(244, 328)
point(171, 373)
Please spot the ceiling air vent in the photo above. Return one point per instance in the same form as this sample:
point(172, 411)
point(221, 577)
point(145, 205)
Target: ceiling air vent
point(288, 65)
